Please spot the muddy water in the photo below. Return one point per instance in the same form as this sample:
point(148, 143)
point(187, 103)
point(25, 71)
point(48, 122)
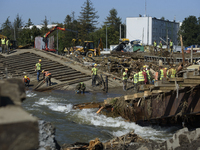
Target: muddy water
point(84, 125)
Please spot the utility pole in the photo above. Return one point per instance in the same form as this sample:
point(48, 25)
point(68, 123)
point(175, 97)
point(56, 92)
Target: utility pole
point(120, 32)
point(57, 39)
point(106, 36)
point(191, 55)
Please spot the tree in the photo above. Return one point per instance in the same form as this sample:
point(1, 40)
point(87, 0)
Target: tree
point(87, 19)
point(190, 31)
point(29, 23)
point(7, 28)
point(18, 24)
point(45, 29)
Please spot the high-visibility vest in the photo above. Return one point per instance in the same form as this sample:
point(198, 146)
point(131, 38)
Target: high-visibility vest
point(3, 41)
point(162, 74)
point(94, 71)
point(171, 43)
point(160, 45)
point(148, 75)
point(141, 76)
point(155, 44)
point(126, 76)
point(7, 42)
point(173, 72)
point(38, 66)
point(135, 78)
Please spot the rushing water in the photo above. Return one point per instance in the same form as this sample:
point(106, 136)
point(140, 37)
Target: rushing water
point(84, 125)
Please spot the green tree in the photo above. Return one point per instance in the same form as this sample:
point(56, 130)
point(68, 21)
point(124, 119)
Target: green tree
point(87, 20)
point(190, 31)
point(44, 29)
point(29, 23)
point(18, 24)
point(7, 28)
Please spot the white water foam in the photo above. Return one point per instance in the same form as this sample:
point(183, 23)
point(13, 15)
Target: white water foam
point(88, 116)
point(50, 102)
point(30, 94)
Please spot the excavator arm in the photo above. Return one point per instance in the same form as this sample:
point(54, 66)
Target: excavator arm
point(52, 30)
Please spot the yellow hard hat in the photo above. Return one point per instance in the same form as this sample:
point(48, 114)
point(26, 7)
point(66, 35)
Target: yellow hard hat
point(25, 77)
point(126, 69)
point(42, 71)
point(95, 64)
point(165, 68)
point(144, 66)
point(40, 60)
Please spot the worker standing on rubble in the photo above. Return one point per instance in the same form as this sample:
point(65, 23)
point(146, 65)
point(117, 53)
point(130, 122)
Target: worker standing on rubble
point(160, 47)
point(135, 80)
point(47, 77)
point(26, 80)
point(171, 46)
point(160, 73)
point(94, 75)
point(141, 78)
point(149, 75)
point(125, 77)
point(172, 72)
point(80, 87)
point(3, 44)
point(8, 45)
point(155, 46)
point(38, 69)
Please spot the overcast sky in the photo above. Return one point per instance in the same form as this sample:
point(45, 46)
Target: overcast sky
point(57, 10)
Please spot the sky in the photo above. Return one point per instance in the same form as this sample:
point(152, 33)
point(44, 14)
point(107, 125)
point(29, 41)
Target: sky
point(57, 10)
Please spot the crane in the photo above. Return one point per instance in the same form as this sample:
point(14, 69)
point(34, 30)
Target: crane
point(48, 33)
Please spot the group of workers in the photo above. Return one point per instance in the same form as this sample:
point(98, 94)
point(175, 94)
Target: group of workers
point(38, 68)
point(145, 76)
point(5, 45)
point(160, 46)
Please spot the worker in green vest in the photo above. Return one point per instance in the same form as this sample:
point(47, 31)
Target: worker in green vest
point(149, 75)
point(38, 69)
point(3, 45)
point(141, 78)
point(94, 75)
point(125, 77)
point(171, 46)
point(80, 87)
point(155, 46)
point(160, 73)
point(8, 45)
point(160, 47)
point(172, 72)
point(135, 80)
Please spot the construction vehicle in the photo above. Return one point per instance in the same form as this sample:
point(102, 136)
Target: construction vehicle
point(122, 45)
point(89, 50)
point(48, 33)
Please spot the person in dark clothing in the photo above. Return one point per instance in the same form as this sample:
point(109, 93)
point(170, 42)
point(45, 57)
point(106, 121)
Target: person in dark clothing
point(80, 87)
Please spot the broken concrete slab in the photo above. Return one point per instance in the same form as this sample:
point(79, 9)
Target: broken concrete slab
point(18, 129)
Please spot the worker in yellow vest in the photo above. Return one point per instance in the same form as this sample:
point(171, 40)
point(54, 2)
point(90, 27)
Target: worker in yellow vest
point(149, 75)
point(155, 46)
point(160, 47)
point(141, 78)
point(160, 73)
point(171, 46)
point(8, 45)
point(94, 75)
point(125, 77)
point(38, 69)
point(172, 72)
point(3, 44)
point(135, 80)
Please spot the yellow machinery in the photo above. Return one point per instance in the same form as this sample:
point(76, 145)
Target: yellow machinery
point(89, 50)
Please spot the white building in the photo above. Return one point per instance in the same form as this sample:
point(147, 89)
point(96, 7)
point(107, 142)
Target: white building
point(148, 29)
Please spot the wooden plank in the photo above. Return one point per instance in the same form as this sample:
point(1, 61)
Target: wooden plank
point(131, 97)
point(191, 75)
point(159, 91)
point(177, 79)
point(193, 81)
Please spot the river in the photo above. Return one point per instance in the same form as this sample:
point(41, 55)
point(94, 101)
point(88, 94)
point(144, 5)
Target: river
point(85, 125)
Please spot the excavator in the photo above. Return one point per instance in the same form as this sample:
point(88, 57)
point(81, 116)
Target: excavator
point(89, 50)
point(48, 33)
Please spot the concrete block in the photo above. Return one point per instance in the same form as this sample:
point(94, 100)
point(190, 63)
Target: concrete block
point(12, 92)
point(18, 129)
